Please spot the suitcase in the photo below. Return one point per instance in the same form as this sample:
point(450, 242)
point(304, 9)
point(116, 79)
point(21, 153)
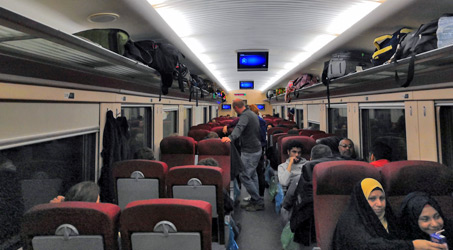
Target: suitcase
point(344, 63)
point(445, 31)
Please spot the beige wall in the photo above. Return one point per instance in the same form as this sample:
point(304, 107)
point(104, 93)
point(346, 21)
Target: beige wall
point(252, 97)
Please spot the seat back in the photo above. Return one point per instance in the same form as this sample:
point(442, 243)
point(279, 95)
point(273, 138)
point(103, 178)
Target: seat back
point(309, 132)
point(199, 183)
point(225, 122)
point(271, 131)
point(219, 131)
point(307, 142)
point(71, 226)
point(321, 135)
point(198, 134)
point(178, 150)
point(169, 224)
point(403, 177)
point(333, 183)
point(139, 180)
point(276, 142)
point(220, 151)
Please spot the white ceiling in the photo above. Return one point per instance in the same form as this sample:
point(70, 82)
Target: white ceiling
point(209, 32)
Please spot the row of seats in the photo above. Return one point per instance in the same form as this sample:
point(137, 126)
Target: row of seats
point(333, 183)
point(148, 224)
point(146, 179)
point(181, 151)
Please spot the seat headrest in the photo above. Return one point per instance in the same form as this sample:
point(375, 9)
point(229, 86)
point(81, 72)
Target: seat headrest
point(340, 177)
point(403, 177)
point(177, 145)
point(152, 168)
point(213, 147)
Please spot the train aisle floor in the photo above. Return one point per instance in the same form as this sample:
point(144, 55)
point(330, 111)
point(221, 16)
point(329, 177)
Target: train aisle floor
point(260, 230)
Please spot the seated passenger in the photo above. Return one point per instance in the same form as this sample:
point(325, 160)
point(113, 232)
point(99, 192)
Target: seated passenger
point(84, 191)
point(291, 169)
point(332, 142)
point(421, 215)
point(346, 148)
point(144, 153)
point(208, 162)
point(211, 135)
point(380, 154)
point(368, 223)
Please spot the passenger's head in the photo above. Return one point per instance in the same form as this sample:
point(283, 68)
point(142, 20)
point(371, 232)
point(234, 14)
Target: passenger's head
point(294, 149)
point(420, 215)
point(83, 191)
point(212, 135)
point(238, 106)
point(254, 108)
point(320, 151)
point(208, 162)
point(144, 153)
point(332, 142)
point(269, 125)
point(380, 151)
point(374, 194)
point(346, 147)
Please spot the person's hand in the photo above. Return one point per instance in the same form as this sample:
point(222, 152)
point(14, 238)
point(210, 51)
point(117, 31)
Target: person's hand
point(428, 245)
point(57, 199)
point(226, 139)
point(225, 129)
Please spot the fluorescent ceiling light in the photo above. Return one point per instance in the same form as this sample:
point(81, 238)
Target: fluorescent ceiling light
point(176, 20)
point(156, 2)
point(351, 16)
point(319, 42)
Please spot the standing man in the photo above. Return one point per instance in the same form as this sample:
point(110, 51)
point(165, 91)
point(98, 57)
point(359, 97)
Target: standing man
point(247, 131)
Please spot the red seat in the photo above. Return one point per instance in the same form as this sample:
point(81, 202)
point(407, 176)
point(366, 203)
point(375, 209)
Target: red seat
point(307, 142)
point(216, 149)
point(271, 131)
point(198, 134)
point(187, 216)
point(333, 183)
point(90, 219)
point(199, 183)
point(131, 186)
point(178, 150)
point(225, 122)
point(403, 177)
point(321, 135)
point(308, 132)
point(219, 131)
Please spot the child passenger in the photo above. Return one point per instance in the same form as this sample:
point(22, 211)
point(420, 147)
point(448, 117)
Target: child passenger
point(421, 215)
point(368, 223)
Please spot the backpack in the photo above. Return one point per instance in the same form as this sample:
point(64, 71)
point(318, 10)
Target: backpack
point(289, 88)
point(415, 42)
point(270, 93)
point(386, 46)
point(111, 39)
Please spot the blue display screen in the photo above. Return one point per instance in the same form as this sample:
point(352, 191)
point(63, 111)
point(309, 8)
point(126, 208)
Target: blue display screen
point(226, 106)
point(253, 60)
point(261, 106)
point(246, 84)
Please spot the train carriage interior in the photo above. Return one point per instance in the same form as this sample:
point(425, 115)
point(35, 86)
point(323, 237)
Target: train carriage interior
point(140, 96)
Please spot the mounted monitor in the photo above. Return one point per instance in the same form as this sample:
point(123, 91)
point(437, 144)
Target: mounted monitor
point(246, 85)
point(226, 106)
point(261, 106)
point(253, 60)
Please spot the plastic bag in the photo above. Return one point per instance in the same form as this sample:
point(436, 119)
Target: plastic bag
point(231, 244)
point(236, 190)
point(273, 187)
point(287, 239)
point(279, 198)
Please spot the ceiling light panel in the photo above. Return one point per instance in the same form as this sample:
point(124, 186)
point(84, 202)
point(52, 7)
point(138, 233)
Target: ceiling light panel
point(291, 30)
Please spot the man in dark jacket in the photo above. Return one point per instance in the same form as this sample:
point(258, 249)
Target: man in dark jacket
point(247, 131)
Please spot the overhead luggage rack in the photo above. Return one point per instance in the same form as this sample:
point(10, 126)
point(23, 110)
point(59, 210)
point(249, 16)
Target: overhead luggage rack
point(32, 50)
point(430, 68)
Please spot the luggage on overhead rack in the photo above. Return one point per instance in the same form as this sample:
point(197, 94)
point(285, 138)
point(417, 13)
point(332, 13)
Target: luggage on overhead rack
point(445, 31)
point(386, 46)
point(270, 93)
point(111, 39)
point(347, 62)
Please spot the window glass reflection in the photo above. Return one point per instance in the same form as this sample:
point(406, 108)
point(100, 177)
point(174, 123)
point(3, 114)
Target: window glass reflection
point(338, 123)
point(187, 120)
point(446, 134)
point(300, 118)
point(139, 119)
point(170, 123)
point(387, 126)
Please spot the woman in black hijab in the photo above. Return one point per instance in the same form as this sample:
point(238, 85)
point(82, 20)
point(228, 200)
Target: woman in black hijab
point(369, 223)
point(421, 215)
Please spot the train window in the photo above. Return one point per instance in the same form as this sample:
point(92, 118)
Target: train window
point(187, 119)
point(446, 134)
point(385, 124)
point(36, 173)
point(338, 122)
point(300, 118)
point(205, 115)
point(282, 112)
point(140, 127)
point(210, 113)
point(313, 125)
point(313, 117)
point(170, 123)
